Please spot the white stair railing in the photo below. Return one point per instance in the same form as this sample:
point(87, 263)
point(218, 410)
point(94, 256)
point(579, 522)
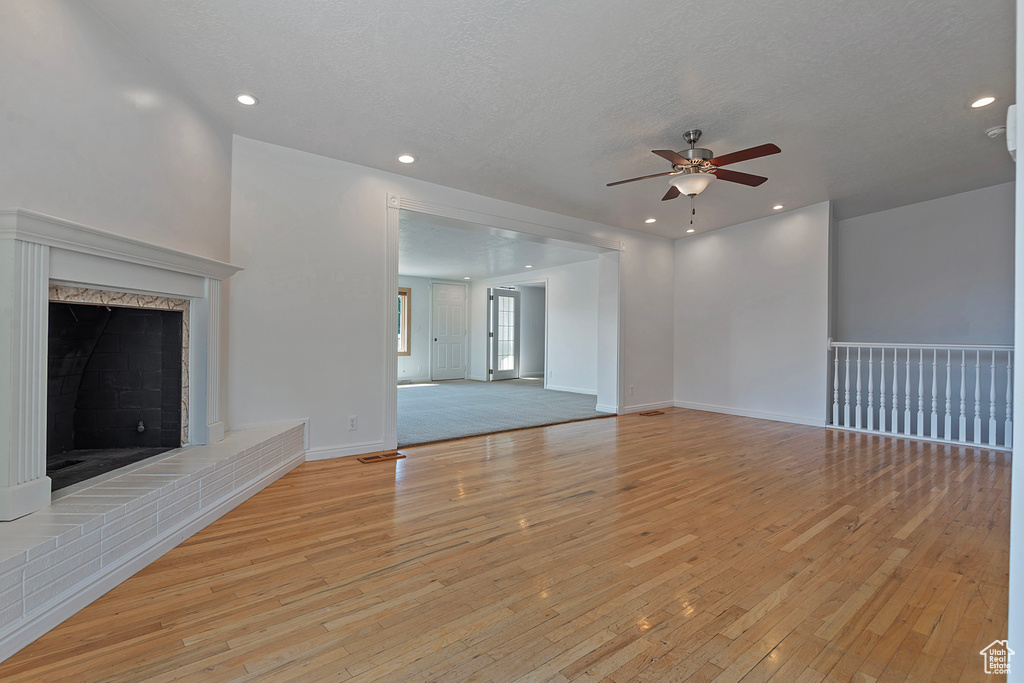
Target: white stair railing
point(911, 390)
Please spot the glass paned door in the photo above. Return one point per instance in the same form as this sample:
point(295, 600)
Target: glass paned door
point(504, 331)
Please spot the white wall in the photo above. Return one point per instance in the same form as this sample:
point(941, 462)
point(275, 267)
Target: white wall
point(531, 360)
point(94, 132)
point(572, 299)
point(1016, 598)
point(751, 317)
point(939, 271)
point(416, 366)
point(307, 313)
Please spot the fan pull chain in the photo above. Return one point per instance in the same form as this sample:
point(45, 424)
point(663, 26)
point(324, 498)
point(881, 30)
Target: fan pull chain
point(693, 211)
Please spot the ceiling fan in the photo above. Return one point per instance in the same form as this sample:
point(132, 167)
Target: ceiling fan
point(695, 168)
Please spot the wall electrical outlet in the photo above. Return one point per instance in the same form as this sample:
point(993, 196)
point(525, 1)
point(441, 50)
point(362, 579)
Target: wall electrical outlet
point(631, 390)
point(353, 423)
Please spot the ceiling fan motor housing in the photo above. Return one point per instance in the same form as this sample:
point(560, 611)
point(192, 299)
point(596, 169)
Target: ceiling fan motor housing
point(697, 154)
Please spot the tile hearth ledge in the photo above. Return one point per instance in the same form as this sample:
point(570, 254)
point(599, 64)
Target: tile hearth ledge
point(37, 250)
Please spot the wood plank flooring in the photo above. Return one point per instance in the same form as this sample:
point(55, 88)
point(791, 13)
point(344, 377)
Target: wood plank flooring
point(687, 546)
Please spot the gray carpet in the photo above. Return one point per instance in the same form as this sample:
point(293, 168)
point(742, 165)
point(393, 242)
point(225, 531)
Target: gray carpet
point(454, 409)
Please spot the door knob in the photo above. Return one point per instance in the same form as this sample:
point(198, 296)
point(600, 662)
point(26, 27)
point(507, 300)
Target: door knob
point(435, 338)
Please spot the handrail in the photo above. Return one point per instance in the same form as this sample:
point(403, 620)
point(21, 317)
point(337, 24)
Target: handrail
point(951, 393)
point(930, 347)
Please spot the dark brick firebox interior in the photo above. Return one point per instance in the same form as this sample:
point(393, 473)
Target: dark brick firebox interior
point(111, 370)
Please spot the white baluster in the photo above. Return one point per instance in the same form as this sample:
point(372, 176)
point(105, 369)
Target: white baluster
point(948, 425)
point(906, 398)
point(1008, 435)
point(962, 434)
point(846, 391)
point(881, 392)
point(835, 387)
point(935, 394)
point(992, 403)
point(858, 389)
point(977, 398)
point(920, 394)
point(895, 418)
point(871, 389)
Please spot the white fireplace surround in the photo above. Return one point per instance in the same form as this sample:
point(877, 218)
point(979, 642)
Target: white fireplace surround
point(37, 250)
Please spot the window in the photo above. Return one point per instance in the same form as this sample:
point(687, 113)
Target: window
point(404, 346)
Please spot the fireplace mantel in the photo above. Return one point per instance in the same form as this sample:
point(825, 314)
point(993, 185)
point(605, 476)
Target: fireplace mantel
point(36, 250)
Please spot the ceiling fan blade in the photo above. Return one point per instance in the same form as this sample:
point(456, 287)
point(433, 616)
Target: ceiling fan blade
point(741, 178)
point(672, 193)
point(671, 156)
point(746, 154)
point(643, 177)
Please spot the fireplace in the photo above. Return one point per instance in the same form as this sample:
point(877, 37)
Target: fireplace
point(114, 382)
point(61, 397)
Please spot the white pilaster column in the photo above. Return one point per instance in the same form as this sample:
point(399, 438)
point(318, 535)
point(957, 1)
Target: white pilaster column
point(214, 425)
point(390, 435)
point(24, 280)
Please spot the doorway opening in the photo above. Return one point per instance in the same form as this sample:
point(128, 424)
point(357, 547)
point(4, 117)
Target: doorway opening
point(544, 351)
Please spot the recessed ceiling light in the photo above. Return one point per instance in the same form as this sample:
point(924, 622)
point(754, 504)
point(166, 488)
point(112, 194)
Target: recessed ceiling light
point(651, 220)
point(983, 102)
point(690, 230)
point(778, 206)
point(406, 159)
point(527, 266)
point(247, 100)
point(466, 278)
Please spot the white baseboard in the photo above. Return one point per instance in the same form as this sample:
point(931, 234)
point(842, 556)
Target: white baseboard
point(660, 405)
point(330, 452)
point(413, 380)
point(606, 409)
point(478, 378)
point(97, 585)
point(531, 375)
point(776, 417)
point(572, 390)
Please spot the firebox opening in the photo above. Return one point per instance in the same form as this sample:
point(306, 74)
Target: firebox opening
point(114, 388)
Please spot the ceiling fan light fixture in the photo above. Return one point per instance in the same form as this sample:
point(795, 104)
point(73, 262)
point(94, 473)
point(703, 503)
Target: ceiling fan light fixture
point(692, 183)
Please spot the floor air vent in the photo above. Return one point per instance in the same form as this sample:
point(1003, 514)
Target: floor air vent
point(381, 457)
point(650, 413)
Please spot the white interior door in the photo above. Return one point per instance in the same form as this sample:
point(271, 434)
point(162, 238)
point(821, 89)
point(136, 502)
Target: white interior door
point(448, 327)
point(504, 333)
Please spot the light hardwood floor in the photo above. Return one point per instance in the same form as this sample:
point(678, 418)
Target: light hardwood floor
point(688, 546)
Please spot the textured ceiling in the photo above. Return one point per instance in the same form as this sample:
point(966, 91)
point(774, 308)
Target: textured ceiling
point(429, 246)
point(542, 102)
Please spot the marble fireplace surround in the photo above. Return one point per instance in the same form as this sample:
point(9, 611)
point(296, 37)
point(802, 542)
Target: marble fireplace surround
point(40, 254)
